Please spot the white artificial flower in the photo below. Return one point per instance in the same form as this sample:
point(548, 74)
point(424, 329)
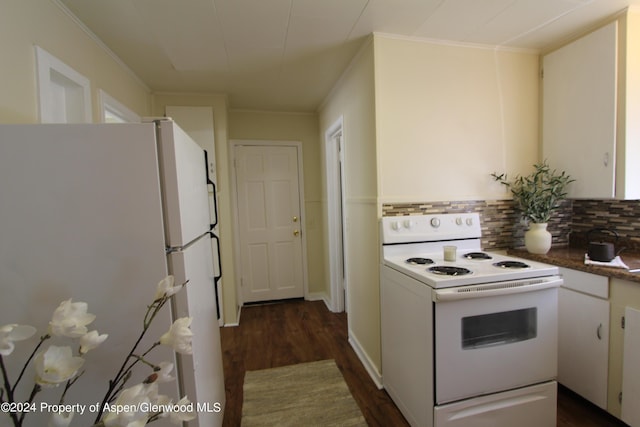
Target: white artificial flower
point(164, 372)
point(178, 416)
point(60, 419)
point(161, 374)
point(70, 319)
point(133, 399)
point(56, 365)
point(166, 288)
point(179, 336)
point(158, 400)
point(91, 340)
point(11, 333)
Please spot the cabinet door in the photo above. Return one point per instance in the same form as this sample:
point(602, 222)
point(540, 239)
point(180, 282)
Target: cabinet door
point(631, 368)
point(579, 112)
point(583, 345)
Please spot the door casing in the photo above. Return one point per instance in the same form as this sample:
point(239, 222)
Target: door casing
point(336, 208)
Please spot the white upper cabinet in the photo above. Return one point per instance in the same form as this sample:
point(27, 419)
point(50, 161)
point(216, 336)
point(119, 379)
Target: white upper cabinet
point(589, 90)
point(579, 112)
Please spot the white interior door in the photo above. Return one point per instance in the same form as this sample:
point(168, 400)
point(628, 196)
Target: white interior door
point(268, 196)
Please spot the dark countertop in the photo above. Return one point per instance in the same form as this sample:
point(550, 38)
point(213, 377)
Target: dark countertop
point(571, 257)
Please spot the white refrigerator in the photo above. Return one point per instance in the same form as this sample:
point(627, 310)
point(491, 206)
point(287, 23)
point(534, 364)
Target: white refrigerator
point(101, 213)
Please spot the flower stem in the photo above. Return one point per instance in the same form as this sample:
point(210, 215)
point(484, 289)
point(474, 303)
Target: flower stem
point(36, 389)
point(17, 421)
point(68, 385)
point(116, 385)
point(9, 390)
point(142, 359)
point(33, 353)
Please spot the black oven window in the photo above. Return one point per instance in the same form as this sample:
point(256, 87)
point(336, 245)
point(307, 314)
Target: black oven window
point(493, 329)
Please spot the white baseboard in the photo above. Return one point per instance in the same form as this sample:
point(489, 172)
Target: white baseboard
point(230, 325)
point(319, 296)
point(366, 361)
point(237, 322)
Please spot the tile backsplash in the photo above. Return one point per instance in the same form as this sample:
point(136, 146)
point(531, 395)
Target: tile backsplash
point(500, 220)
point(623, 216)
point(502, 228)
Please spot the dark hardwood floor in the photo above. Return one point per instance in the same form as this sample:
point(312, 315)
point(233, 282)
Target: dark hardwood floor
point(292, 332)
point(574, 411)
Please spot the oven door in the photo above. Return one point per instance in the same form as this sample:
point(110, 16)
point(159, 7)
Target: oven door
point(495, 337)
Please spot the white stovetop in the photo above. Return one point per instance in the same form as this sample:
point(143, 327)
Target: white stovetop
point(482, 270)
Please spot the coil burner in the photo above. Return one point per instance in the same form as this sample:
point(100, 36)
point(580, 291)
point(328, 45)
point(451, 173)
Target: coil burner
point(419, 261)
point(446, 270)
point(511, 264)
point(478, 255)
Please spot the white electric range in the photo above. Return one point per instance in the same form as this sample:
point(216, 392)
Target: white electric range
point(467, 340)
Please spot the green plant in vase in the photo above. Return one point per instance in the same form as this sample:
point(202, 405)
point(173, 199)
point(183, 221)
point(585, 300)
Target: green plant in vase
point(537, 195)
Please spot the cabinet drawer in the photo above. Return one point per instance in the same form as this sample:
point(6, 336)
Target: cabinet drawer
point(587, 283)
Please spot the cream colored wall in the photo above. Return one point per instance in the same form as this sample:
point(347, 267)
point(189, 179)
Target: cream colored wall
point(424, 122)
point(219, 104)
point(25, 23)
point(353, 99)
point(301, 127)
point(450, 115)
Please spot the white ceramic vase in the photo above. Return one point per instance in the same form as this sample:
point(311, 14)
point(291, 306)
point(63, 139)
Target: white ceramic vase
point(537, 239)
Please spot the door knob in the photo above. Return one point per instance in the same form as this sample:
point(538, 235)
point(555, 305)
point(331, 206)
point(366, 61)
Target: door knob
point(295, 219)
point(296, 232)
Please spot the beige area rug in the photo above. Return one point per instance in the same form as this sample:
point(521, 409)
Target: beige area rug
point(307, 394)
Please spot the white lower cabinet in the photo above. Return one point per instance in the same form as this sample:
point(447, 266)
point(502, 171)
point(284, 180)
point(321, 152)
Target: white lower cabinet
point(624, 359)
point(631, 368)
point(583, 335)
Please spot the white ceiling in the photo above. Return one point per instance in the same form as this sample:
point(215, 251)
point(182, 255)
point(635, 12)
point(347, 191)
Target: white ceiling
point(287, 54)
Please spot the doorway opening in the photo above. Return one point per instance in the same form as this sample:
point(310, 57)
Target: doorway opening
point(334, 151)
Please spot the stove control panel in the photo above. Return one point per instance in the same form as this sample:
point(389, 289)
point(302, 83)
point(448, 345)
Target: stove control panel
point(430, 227)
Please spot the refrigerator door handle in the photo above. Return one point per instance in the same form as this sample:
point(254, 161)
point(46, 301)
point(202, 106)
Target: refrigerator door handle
point(215, 194)
point(217, 277)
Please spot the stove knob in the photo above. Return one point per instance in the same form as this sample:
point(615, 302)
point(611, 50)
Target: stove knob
point(395, 225)
point(469, 221)
point(435, 222)
point(408, 223)
point(459, 221)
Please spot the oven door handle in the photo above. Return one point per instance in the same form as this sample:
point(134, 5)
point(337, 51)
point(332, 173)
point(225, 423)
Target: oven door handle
point(495, 289)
